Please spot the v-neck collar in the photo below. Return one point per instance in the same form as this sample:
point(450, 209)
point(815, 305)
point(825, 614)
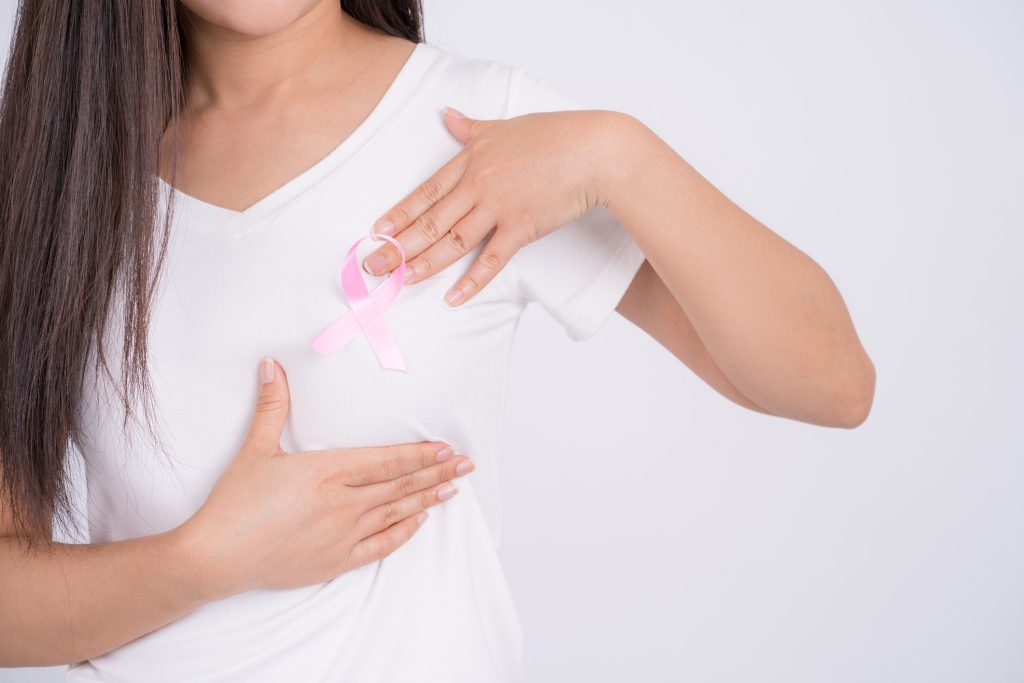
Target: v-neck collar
point(240, 223)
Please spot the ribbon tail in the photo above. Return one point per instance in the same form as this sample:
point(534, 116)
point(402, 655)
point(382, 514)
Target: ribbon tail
point(383, 343)
point(366, 311)
point(337, 335)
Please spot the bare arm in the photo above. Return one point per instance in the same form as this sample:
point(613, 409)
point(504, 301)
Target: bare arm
point(273, 520)
point(67, 602)
point(649, 305)
point(754, 316)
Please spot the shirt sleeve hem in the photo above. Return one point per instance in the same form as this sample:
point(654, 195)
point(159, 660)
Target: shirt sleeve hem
point(607, 291)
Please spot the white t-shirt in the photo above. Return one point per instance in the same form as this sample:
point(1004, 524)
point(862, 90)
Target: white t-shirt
point(239, 285)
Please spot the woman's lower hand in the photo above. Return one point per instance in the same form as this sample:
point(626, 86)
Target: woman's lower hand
point(283, 520)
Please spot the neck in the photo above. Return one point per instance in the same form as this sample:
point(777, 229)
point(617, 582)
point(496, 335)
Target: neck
point(234, 67)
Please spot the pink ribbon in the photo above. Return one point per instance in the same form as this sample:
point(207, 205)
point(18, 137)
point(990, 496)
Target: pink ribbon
point(366, 310)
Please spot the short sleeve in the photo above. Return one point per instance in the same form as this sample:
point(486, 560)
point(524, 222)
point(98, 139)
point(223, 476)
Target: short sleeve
point(579, 272)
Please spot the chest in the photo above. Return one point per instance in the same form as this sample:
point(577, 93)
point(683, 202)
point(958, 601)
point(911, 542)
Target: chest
point(223, 302)
point(233, 157)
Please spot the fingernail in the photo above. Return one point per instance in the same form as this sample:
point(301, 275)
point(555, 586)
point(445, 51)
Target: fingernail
point(453, 297)
point(445, 453)
point(446, 491)
point(455, 112)
point(409, 272)
point(375, 264)
point(420, 518)
point(464, 467)
point(265, 370)
point(384, 227)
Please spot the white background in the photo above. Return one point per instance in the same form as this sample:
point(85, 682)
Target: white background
point(655, 531)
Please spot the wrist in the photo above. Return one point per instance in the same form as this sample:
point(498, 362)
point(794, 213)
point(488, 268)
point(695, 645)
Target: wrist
point(202, 579)
point(622, 141)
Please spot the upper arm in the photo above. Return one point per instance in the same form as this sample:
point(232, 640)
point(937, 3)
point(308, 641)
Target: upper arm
point(650, 305)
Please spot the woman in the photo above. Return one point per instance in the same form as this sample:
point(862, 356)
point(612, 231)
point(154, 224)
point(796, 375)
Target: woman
point(285, 544)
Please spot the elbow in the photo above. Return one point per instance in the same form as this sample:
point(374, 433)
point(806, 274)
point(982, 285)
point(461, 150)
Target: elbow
point(854, 394)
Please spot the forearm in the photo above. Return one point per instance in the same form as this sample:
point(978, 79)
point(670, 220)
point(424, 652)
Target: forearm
point(770, 317)
point(68, 602)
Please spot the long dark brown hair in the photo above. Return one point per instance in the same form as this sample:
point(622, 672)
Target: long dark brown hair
point(90, 88)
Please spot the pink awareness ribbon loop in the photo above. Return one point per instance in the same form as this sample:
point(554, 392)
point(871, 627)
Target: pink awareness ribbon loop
point(366, 310)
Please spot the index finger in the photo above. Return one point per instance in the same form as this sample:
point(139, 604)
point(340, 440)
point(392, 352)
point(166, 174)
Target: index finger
point(373, 464)
point(415, 204)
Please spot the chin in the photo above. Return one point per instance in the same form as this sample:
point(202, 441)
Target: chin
point(251, 18)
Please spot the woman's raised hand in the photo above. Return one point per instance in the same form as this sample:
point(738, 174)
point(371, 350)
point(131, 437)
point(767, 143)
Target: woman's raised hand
point(282, 520)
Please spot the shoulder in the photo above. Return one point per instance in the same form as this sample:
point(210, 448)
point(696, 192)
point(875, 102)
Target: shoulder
point(490, 88)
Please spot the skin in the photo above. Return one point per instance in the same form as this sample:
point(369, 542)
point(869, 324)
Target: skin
point(274, 89)
point(756, 318)
point(281, 80)
point(273, 519)
point(751, 314)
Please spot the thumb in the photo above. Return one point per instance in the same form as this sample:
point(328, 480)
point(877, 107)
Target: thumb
point(272, 403)
point(463, 127)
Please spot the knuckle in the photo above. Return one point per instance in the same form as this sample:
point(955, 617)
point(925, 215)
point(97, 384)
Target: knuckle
point(326, 475)
point(456, 241)
point(429, 227)
point(477, 143)
point(325, 482)
point(389, 468)
point(448, 473)
point(406, 485)
point(381, 547)
point(428, 453)
point(490, 260)
point(391, 514)
point(477, 180)
point(268, 403)
point(431, 190)
point(353, 473)
point(401, 216)
point(486, 176)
